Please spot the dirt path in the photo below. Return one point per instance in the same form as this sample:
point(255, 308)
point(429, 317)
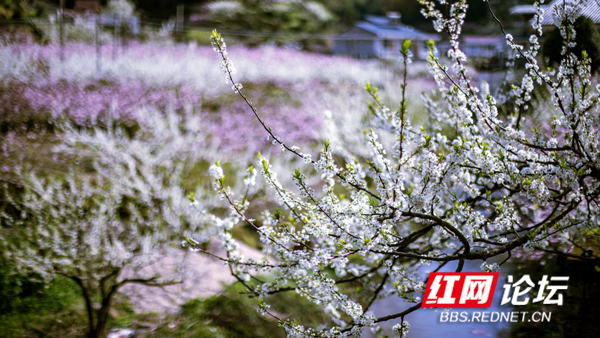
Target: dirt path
point(202, 276)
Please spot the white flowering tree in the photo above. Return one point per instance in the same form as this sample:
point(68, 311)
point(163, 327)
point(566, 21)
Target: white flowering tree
point(121, 208)
point(471, 184)
point(123, 9)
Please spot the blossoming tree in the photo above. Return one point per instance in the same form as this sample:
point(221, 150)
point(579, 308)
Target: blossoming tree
point(120, 209)
point(471, 184)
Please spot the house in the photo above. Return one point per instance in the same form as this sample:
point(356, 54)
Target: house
point(590, 9)
point(477, 46)
point(87, 5)
point(382, 37)
point(485, 52)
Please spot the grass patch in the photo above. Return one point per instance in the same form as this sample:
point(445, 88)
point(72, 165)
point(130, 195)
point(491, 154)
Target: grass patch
point(233, 314)
point(38, 310)
point(201, 36)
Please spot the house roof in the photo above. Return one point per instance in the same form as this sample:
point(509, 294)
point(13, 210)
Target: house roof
point(588, 8)
point(382, 28)
point(523, 9)
point(377, 20)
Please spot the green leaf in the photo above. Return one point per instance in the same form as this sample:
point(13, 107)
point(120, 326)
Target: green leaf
point(277, 214)
point(405, 46)
point(431, 44)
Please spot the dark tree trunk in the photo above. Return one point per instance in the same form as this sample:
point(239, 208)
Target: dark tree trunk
point(97, 320)
point(103, 316)
point(88, 305)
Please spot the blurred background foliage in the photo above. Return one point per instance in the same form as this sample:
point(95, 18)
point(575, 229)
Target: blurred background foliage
point(21, 9)
point(588, 40)
point(233, 314)
point(344, 12)
point(35, 309)
point(261, 15)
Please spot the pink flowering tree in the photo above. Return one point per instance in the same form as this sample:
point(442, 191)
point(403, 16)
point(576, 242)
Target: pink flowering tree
point(470, 184)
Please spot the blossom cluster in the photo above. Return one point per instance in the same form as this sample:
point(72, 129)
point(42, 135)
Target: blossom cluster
point(470, 184)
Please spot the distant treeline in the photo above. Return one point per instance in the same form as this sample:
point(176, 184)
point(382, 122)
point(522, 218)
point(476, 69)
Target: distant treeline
point(346, 11)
